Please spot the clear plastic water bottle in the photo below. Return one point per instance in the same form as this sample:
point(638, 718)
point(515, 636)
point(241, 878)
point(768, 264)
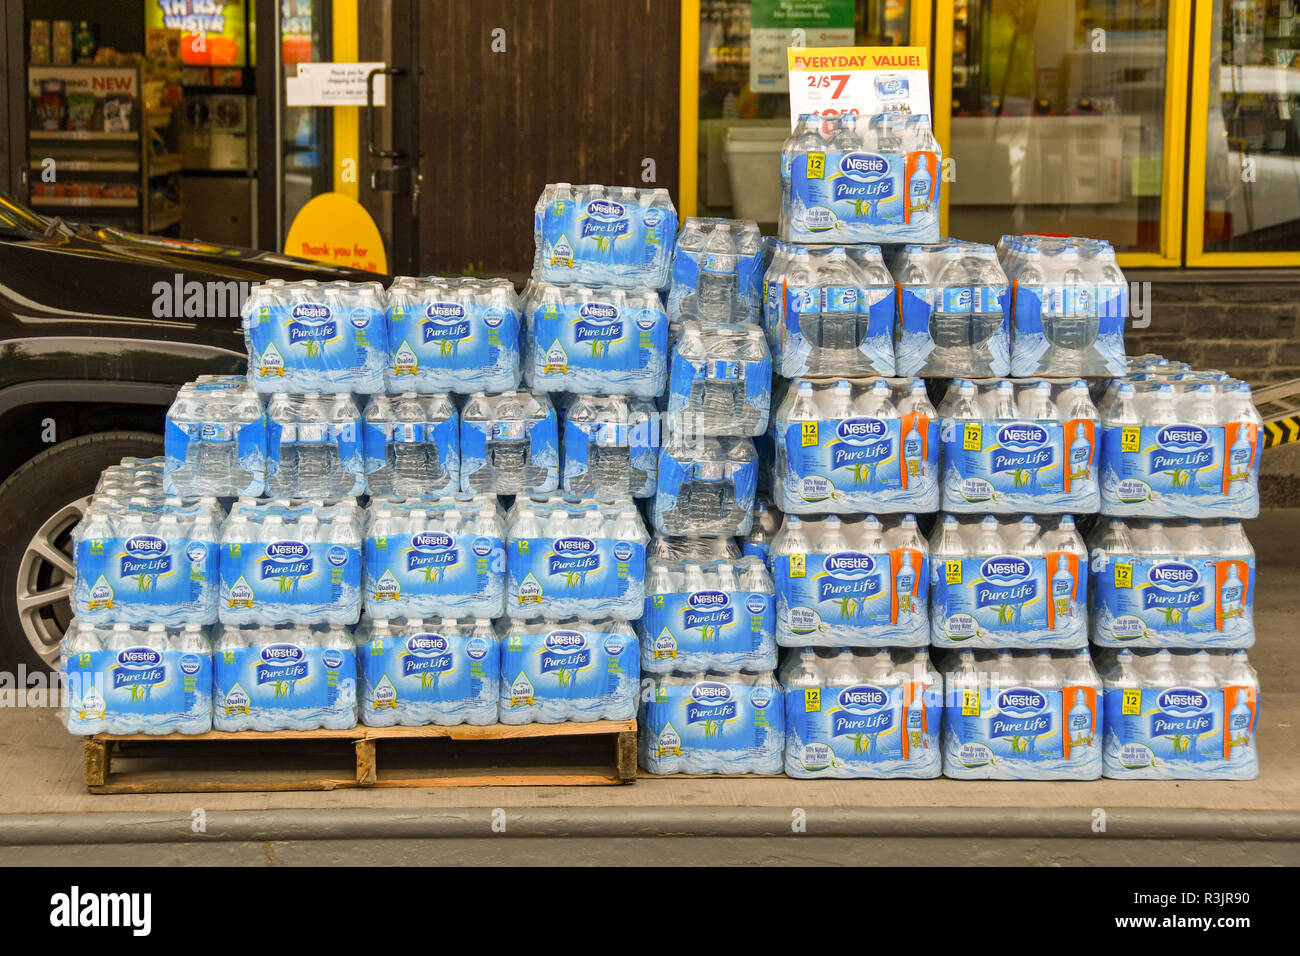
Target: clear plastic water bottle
point(718, 275)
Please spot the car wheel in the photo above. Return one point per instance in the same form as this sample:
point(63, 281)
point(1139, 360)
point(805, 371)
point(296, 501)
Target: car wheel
point(40, 504)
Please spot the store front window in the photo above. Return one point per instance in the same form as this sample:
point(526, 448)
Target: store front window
point(1058, 119)
point(744, 102)
point(1252, 153)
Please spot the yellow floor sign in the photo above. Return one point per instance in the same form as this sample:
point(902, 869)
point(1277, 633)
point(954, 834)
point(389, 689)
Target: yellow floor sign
point(337, 230)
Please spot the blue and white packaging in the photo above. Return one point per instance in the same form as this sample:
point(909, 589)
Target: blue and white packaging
point(702, 723)
point(315, 337)
point(314, 446)
point(509, 444)
point(604, 235)
point(1179, 715)
point(706, 486)
point(1069, 305)
point(1181, 583)
point(452, 335)
point(574, 557)
point(215, 439)
point(855, 447)
point(553, 671)
point(1002, 582)
point(861, 715)
point(610, 447)
point(411, 445)
point(1016, 447)
point(415, 672)
point(720, 380)
point(595, 340)
point(1022, 715)
point(829, 310)
point(717, 271)
point(147, 561)
point(953, 311)
point(852, 582)
point(709, 614)
point(1180, 446)
point(126, 679)
point(852, 179)
point(443, 557)
point(767, 522)
point(284, 678)
point(291, 562)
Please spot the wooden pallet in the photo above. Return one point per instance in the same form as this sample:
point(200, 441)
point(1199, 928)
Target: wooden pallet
point(500, 755)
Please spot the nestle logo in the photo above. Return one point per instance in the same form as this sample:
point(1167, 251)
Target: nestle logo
point(606, 209)
point(425, 644)
point(1174, 573)
point(282, 654)
point(710, 692)
point(1184, 436)
point(139, 657)
point(145, 544)
point(1022, 433)
point(598, 310)
point(286, 549)
point(565, 640)
point(1005, 566)
point(708, 599)
point(1182, 698)
point(864, 165)
point(861, 428)
point(1021, 698)
point(863, 697)
point(310, 311)
point(850, 562)
point(575, 545)
point(431, 541)
point(445, 310)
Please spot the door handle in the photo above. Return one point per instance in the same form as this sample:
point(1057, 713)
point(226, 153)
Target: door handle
point(375, 151)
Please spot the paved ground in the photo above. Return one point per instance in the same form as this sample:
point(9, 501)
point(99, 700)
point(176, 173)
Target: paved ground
point(44, 807)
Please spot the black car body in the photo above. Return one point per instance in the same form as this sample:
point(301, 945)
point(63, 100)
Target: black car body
point(98, 328)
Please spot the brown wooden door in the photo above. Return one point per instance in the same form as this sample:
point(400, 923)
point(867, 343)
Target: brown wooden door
point(586, 91)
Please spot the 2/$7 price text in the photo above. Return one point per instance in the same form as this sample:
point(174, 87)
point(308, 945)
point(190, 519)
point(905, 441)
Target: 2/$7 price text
point(1207, 898)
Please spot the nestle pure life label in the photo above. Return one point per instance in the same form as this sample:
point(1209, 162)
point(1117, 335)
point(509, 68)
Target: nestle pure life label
point(147, 578)
point(864, 196)
point(289, 582)
point(1180, 470)
point(428, 678)
point(1020, 466)
point(1007, 600)
point(569, 671)
point(575, 574)
point(713, 726)
point(434, 572)
point(695, 629)
point(863, 464)
point(863, 731)
point(1022, 733)
point(1181, 733)
point(284, 686)
point(1146, 601)
point(850, 598)
point(139, 690)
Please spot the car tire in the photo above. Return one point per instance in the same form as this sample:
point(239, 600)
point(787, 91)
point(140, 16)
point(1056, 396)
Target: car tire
point(40, 504)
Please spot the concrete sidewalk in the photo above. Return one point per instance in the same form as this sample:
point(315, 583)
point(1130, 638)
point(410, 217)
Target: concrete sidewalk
point(46, 816)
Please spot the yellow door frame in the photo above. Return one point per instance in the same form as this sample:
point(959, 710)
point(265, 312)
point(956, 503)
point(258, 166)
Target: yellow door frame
point(344, 42)
point(1197, 136)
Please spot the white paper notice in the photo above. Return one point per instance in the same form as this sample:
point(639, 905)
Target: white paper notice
point(334, 84)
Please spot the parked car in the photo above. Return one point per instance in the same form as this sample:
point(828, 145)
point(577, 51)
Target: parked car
point(97, 329)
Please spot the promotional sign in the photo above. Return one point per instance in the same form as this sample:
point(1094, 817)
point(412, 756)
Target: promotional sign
point(212, 31)
point(863, 80)
point(775, 25)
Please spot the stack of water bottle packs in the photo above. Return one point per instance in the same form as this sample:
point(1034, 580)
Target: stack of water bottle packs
point(442, 503)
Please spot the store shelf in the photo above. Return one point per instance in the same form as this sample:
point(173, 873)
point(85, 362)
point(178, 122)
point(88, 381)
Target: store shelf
point(92, 202)
point(82, 135)
point(92, 165)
